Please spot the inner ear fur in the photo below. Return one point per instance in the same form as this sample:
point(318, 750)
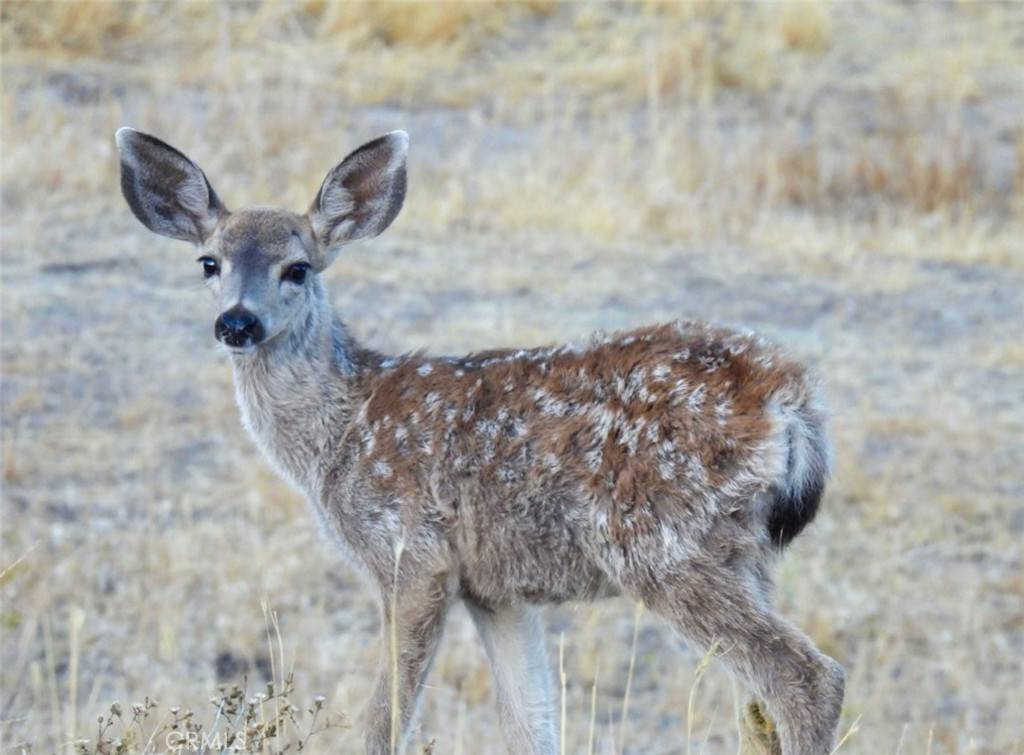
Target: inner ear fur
point(165, 190)
point(361, 195)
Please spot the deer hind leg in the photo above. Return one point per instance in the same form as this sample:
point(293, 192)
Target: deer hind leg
point(513, 637)
point(801, 687)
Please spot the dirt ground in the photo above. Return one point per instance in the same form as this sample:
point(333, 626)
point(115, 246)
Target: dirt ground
point(846, 178)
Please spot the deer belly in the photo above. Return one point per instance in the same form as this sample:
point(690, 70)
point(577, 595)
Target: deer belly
point(528, 548)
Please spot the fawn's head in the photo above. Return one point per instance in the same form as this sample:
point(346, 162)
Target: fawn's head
point(262, 262)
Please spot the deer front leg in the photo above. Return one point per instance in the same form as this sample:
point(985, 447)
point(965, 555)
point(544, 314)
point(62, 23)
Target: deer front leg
point(412, 627)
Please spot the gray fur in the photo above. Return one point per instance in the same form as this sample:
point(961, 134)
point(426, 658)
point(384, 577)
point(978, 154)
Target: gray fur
point(644, 463)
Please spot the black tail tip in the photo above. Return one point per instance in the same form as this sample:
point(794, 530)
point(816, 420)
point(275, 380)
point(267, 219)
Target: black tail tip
point(792, 511)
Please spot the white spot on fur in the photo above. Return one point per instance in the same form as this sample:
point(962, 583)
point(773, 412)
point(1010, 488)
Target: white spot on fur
point(679, 392)
point(696, 400)
point(666, 459)
point(645, 395)
point(432, 401)
point(508, 474)
point(723, 410)
point(652, 432)
point(487, 428)
point(630, 434)
point(548, 404)
point(518, 427)
point(602, 418)
point(369, 440)
point(736, 345)
point(427, 443)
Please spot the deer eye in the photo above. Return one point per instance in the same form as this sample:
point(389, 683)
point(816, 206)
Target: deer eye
point(296, 273)
point(210, 266)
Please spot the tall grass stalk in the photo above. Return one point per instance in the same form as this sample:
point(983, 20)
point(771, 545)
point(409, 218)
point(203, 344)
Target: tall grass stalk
point(9, 569)
point(76, 618)
point(611, 725)
point(561, 679)
point(709, 729)
point(702, 668)
point(460, 728)
point(629, 677)
point(854, 728)
point(270, 616)
point(593, 709)
point(51, 678)
point(395, 712)
point(737, 714)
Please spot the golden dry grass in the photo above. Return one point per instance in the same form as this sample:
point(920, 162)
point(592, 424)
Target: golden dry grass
point(848, 178)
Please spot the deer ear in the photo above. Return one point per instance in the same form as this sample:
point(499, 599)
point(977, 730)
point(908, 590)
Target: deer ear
point(165, 190)
point(361, 195)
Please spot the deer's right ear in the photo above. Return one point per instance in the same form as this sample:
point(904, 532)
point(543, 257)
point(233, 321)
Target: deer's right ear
point(165, 190)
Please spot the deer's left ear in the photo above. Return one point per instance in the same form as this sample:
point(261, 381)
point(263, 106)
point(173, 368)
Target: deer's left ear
point(361, 195)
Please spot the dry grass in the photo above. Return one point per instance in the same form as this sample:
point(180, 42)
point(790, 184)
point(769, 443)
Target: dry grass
point(848, 178)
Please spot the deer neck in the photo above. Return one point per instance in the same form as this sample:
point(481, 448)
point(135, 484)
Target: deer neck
point(296, 394)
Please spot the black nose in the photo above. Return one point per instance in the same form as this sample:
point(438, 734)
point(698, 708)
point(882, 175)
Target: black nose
point(238, 327)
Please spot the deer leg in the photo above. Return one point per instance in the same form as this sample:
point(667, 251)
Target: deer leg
point(413, 623)
point(513, 637)
point(801, 687)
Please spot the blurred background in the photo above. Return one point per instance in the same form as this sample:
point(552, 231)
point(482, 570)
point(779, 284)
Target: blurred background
point(846, 177)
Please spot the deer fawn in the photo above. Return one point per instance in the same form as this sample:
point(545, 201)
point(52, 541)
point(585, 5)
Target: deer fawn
point(670, 463)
